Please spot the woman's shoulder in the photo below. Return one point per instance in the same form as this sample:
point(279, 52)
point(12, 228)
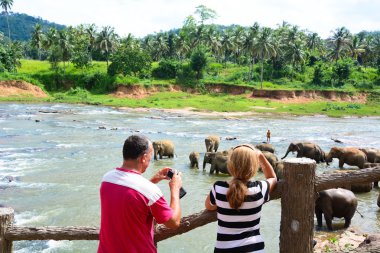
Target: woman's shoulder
point(221, 183)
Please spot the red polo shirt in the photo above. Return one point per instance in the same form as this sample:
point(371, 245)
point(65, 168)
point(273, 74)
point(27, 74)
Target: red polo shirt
point(129, 202)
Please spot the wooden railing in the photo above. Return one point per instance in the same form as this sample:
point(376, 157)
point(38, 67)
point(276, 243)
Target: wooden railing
point(296, 190)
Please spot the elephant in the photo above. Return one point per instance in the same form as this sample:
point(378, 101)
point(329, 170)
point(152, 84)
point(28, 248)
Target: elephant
point(212, 143)
point(378, 200)
point(163, 148)
point(272, 158)
point(208, 157)
point(265, 147)
point(340, 203)
point(373, 155)
point(279, 170)
point(218, 161)
point(194, 159)
point(350, 156)
point(306, 149)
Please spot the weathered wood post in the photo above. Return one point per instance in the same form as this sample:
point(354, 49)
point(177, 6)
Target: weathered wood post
point(6, 220)
point(297, 206)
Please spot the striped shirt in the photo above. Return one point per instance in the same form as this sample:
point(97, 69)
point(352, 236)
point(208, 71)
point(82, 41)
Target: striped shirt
point(239, 230)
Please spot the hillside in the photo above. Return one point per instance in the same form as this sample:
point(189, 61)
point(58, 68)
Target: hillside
point(22, 25)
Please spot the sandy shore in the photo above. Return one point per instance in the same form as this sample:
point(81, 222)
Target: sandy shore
point(193, 111)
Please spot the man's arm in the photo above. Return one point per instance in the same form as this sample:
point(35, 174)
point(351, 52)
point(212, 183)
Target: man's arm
point(175, 184)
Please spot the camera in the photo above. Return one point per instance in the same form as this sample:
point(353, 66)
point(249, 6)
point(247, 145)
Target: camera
point(182, 191)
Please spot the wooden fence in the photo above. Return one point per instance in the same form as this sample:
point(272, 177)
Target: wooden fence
point(297, 192)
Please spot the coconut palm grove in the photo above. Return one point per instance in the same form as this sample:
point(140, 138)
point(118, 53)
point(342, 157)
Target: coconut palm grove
point(98, 60)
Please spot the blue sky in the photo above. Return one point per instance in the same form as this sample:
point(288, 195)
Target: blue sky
point(142, 17)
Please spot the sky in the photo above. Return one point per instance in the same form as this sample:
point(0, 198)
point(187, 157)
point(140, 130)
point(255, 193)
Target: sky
point(142, 17)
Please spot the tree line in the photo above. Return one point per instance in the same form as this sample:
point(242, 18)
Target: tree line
point(286, 51)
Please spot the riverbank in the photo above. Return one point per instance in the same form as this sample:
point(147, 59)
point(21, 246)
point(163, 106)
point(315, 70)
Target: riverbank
point(218, 99)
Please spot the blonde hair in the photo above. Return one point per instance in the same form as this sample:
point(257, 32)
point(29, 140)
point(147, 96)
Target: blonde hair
point(242, 164)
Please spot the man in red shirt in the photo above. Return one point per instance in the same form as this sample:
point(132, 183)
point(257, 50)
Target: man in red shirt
point(129, 202)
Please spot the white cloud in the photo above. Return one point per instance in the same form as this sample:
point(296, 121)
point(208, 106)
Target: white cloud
point(141, 17)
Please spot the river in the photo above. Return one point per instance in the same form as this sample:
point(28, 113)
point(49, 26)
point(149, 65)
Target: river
point(56, 155)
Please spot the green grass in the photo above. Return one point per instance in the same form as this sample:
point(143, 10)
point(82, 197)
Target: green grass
point(96, 79)
point(216, 102)
point(42, 67)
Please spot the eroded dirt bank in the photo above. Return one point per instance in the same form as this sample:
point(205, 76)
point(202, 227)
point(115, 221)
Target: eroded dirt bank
point(137, 91)
point(15, 88)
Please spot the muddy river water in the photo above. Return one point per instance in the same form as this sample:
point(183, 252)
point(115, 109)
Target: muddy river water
point(56, 154)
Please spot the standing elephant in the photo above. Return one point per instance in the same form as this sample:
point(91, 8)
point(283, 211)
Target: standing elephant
point(194, 159)
point(340, 203)
point(208, 157)
point(279, 170)
point(350, 156)
point(163, 148)
point(212, 143)
point(272, 158)
point(218, 161)
point(265, 147)
point(307, 149)
point(373, 155)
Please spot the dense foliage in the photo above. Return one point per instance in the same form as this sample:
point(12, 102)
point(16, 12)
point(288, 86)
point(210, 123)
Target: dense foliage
point(202, 52)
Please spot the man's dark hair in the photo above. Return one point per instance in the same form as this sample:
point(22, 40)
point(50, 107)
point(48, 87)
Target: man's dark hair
point(134, 146)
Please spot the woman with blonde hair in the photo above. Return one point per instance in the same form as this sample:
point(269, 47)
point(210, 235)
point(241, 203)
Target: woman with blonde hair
point(239, 200)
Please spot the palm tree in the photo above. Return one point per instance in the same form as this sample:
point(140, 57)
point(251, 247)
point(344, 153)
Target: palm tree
point(91, 33)
point(6, 5)
point(106, 41)
point(65, 45)
point(296, 54)
point(249, 42)
point(356, 47)
point(37, 38)
point(264, 48)
point(339, 41)
point(226, 45)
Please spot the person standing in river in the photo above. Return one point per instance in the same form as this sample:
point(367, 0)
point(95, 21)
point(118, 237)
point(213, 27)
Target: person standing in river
point(268, 136)
point(129, 202)
point(238, 201)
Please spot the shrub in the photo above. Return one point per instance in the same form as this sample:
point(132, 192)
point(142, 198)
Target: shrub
point(342, 70)
point(166, 69)
point(214, 68)
point(198, 61)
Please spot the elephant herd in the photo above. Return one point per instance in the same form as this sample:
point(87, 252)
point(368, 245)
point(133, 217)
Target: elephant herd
point(340, 203)
point(360, 157)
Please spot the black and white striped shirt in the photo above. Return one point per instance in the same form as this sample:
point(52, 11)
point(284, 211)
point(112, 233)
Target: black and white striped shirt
point(239, 230)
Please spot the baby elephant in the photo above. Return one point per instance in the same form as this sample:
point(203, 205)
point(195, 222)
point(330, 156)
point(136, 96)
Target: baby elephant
point(194, 159)
point(340, 203)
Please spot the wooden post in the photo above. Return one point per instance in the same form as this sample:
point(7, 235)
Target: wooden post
point(6, 220)
point(297, 206)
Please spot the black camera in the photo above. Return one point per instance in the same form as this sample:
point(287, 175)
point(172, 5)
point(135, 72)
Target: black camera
point(182, 191)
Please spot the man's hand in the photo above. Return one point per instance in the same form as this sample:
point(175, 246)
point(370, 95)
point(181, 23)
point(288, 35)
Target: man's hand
point(176, 182)
point(160, 175)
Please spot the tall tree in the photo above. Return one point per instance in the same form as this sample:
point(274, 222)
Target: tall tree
point(339, 41)
point(248, 45)
point(37, 38)
point(7, 5)
point(106, 41)
point(65, 45)
point(264, 48)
